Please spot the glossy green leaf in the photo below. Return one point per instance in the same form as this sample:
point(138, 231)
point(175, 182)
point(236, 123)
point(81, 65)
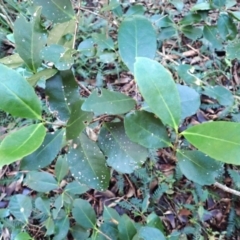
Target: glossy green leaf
point(108, 102)
point(192, 32)
point(226, 27)
point(45, 154)
point(146, 233)
point(17, 96)
point(233, 50)
point(210, 33)
point(122, 155)
point(198, 167)
point(190, 101)
point(12, 61)
point(147, 130)
point(30, 38)
point(136, 38)
point(61, 57)
point(59, 33)
point(221, 94)
point(84, 214)
point(41, 181)
point(43, 74)
point(159, 90)
point(21, 143)
point(219, 140)
point(20, 206)
point(61, 168)
point(76, 188)
point(62, 91)
point(78, 120)
point(87, 163)
point(55, 10)
point(126, 228)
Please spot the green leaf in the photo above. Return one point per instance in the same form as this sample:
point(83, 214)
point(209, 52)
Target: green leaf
point(61, 57)
point(62, 92)
point(153, 220)
point(110, 215)
point(12, 61)
point(219, 140)
point(136, 38)
point(146, 233)
point(110, 230)
point(218, 3)
point(126, 228)
point(84, 214)
point(87, 48)
point(159, 90)
point(41, 181)
point(190, 101)
point(211, 33)
point(87, 163)
point(122, 155)
point(43, 74)
point(55, 10)
point(198, 167)
point(226, 27)
point(20, 206)
point(235, 15)
point(59, 33)
point(21, 143)
point(201, 6)
point(221, 94)
point(233, 50)
point(49, 225)
point(45, 154)
point(23, 236)
point(147, 130)
point(192, 32)
point(103, 42)
point(79, 232)
point(135, 10)
point(108, 102)
point(61, 168)
point(76, 188)
point(30, 38)
point(78, 120)
point(43, 205)
point(17, 96)
point(190, 18)
point(185, 73)
point(178, 4)
point(61, 228)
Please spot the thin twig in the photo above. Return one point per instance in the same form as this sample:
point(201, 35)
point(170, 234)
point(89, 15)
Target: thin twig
point(82, 86)
point(227, 189)
point(77, 23)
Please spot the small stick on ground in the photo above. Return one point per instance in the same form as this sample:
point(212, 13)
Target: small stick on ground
point(227, 189)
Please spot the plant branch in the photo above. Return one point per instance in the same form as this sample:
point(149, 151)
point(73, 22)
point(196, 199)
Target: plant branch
point(227, 189)
point(77, 23)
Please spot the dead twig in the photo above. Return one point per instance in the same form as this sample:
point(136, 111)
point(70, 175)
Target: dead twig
point(227, 189)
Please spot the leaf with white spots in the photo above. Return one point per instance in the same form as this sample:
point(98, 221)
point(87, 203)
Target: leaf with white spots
point(20, 206)
point(123, 155)
point(87, 163)
point(198, 167)
point(55, 10)
point(62, 91)
point(108, 102)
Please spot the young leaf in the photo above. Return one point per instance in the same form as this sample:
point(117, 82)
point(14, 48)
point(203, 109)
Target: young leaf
point(23, 236)
point(20, 207)
point(122, 154)
point(61, 168)
point(108, 102)
point(221, 94)
point(190, 101)
point(43, 74)
point(21, 143)
point(219, 140)
point(136, 38)
point(159, 90)
point(87, 163)
point(147, 130)
point(17, 96)
point(198, 167)
point(62, 91)
point(84, 214)
point(78, 120)
point(45, 154)
point(55, 10)
point(30, 38)
point(59, 33)
point(12, 61)
point(41, 181)
point(126, 228)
